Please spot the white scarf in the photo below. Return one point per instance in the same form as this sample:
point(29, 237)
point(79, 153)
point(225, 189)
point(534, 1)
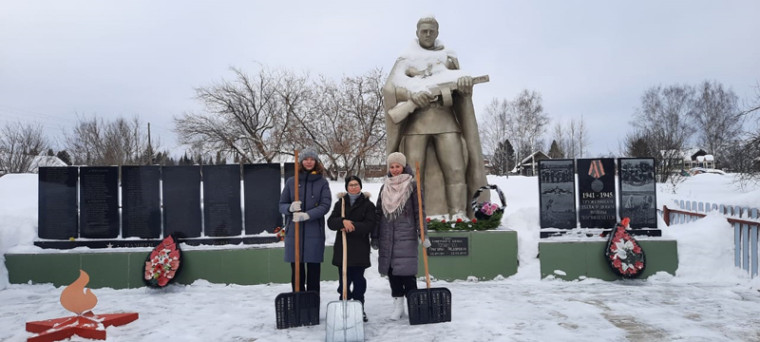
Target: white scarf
point(396, 190)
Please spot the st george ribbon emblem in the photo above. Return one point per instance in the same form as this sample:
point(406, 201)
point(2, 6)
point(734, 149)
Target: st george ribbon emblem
point(596, 170)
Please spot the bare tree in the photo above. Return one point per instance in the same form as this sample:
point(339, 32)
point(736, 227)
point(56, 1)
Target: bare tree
point(572, 148)
point(662, 118)
point(19, 145)
point(346, 122)
point(528, 122)
point(581, 137)
point(248, 116)
point(716, 115)
point(572, 139)
point(321, 125)
point(365, 109)
point(495, 127)
point(745, 157)
point(521, 120)
point(97, 142)
point(637, 146)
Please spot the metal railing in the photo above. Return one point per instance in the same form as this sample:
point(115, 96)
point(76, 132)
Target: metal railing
point(744, 220)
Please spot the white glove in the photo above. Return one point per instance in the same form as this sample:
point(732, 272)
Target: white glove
point(299, 217)
point(295, 206)
point(426, 243)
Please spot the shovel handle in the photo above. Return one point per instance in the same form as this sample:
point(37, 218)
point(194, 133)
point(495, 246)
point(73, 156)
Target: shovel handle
point(298, 235)
point(422, 224)
point(345, 249)
point(343, 269)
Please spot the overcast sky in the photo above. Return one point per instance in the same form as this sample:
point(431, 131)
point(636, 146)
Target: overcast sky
point(60, 59)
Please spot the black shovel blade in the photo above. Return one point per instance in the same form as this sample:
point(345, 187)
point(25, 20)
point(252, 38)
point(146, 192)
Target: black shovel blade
point(429, 305)
point(295, 309)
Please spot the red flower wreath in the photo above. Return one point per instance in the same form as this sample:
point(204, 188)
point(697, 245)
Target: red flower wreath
point(162, 264)
point(624, 253)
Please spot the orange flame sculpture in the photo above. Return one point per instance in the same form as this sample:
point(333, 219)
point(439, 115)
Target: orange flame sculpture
point(79, 300)
point(76, 298)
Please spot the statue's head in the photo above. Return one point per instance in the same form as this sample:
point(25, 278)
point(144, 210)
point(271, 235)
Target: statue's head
point(427, 32)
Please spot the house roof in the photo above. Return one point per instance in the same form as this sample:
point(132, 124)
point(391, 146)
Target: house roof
point(534, 155)
point(45, 161)
point(686, 154)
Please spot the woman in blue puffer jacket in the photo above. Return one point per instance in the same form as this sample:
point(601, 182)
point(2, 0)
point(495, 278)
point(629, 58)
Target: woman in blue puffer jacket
point(310, 210)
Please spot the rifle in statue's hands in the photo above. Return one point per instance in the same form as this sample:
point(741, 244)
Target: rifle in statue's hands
point(442, 90)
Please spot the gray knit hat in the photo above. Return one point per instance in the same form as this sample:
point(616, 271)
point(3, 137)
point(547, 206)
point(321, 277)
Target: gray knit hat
point(308, 152)
point(396, 157)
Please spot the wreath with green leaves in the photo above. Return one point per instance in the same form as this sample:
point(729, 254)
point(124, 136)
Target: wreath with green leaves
point(487, 214)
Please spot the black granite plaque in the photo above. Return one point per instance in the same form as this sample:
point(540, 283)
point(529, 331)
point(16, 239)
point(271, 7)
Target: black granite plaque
point(288, 170)
point(222, 215)
point(99, 201)
point(448, 246)
point(57, 203)
point(556, 184)
point(596, 193)
point(638, 191)
point(140, 201)
point(261, 184)
point(182, 200)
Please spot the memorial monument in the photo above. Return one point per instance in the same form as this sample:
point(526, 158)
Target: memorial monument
point(638, 191)
point(556, 184)
point(430, 118)
point(596, 193)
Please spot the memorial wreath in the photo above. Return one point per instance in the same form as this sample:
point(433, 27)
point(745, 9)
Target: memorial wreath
point(162, 263)
point(623, 252)
point(487, 214)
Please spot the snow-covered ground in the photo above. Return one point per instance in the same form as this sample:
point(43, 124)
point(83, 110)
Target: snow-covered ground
point(707, 300)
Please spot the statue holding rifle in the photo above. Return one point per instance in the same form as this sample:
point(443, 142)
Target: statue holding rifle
point(430, 118)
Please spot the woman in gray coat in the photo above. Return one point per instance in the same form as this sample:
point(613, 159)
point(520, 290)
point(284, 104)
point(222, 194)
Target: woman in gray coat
point(310, 210)
point(398, 209)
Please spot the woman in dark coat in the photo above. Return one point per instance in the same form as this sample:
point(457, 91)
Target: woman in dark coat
point(310, 210)
point(358, 223)
point(399, 230)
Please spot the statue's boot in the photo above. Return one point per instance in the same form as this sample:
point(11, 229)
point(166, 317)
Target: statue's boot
point(456, 196)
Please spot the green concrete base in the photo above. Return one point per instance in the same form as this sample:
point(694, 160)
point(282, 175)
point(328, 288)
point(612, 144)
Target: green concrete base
point(491, 253)
point(572, 260)
point(120, 270)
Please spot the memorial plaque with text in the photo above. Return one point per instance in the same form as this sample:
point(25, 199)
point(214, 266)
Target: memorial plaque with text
point(261, 183)
point(57, 203)
point(99, 201)
point(449, 246)
point(638, 191)
point(596, 193)
point(222, 215)
point(182, 200)
point(140, 201)
point(556, 183)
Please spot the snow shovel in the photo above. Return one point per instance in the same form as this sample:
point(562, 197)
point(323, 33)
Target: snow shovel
point(344, 321)
point(429, 305)
point(295, 309)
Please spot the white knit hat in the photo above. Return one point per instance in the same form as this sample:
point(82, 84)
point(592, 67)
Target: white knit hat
point(396, 157)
